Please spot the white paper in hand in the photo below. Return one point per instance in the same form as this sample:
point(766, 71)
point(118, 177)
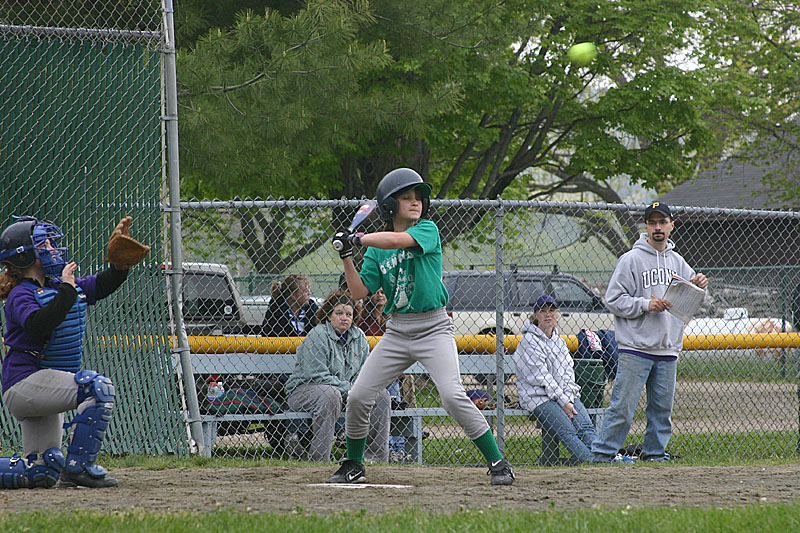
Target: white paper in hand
point(685, 298)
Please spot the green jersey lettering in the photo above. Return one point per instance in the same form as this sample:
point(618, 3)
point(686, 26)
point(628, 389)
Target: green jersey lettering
point(410, 277)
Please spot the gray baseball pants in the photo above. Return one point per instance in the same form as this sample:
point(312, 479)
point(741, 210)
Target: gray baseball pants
point(39, 402)
point(324, 402)
point(425, 337)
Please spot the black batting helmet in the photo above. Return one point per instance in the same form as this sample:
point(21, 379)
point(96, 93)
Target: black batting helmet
point(400, 179)
point(16, 243)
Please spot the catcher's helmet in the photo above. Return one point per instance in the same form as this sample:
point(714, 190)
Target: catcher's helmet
point(16, 243)
point(24, 240)
point(400, 179)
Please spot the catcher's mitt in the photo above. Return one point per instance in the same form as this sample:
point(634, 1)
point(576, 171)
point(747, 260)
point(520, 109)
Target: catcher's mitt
point(123, 250)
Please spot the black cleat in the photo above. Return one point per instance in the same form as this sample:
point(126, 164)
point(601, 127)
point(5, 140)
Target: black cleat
point(350, 472)
point(83, 479)
point(501, 472)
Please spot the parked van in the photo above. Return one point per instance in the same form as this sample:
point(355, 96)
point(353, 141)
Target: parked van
point(473, 303)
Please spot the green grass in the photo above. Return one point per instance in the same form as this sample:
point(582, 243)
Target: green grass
point(762, 518)
point(739, 365)
point(707, 449)
point(734, 448)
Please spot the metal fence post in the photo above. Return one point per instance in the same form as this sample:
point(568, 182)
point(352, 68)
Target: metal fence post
point(500, 377)
point(171, 119)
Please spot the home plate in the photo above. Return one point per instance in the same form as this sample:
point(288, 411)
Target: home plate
point(359, 485)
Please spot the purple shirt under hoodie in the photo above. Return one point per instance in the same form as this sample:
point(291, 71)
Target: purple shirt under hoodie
point(21, 302)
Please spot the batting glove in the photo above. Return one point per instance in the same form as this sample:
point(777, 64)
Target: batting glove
point(342, 242)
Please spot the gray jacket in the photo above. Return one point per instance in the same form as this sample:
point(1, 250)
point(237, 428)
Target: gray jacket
point(544, 369)
point(323, 359)
point(641, 273)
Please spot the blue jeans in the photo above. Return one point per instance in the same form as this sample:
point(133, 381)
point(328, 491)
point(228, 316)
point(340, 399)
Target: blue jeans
point(397, 443)
point(633, 374)
point(576, 434)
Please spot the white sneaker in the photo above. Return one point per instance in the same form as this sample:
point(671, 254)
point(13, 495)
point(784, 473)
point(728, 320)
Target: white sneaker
point(397, 456)
point(293, 446)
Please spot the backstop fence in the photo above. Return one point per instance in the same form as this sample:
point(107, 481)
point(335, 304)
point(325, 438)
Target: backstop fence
point(737, 385)
point(82, 107)
point(88, 136)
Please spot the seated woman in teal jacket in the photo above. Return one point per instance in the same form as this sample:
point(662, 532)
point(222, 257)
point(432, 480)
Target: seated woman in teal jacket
point(327, 364)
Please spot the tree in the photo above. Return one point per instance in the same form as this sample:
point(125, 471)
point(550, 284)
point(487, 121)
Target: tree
point(269, 105)
point(760, 52)
point(477, 95)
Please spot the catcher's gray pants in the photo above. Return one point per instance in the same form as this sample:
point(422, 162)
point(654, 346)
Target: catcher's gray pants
point(425, 337)
point(324, 402)
point(39, 402)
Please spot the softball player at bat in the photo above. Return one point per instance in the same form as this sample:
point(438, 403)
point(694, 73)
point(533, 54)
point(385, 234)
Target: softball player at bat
point(405, 261)
point(45, 318)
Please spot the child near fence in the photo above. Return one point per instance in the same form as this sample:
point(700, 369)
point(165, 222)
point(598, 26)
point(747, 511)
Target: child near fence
point(42, 378)
point(405, 260)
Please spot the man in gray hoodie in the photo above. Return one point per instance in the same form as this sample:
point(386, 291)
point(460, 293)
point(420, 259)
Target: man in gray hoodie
point(649, 338)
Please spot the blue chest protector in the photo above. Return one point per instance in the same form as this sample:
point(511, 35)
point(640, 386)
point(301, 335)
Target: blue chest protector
point(64, 350)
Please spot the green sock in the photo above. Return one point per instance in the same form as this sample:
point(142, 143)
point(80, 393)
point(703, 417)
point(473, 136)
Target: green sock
point(485, 443)
point(355, 448)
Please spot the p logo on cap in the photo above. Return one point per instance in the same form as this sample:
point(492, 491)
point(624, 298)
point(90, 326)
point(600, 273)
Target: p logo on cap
point(657, 207)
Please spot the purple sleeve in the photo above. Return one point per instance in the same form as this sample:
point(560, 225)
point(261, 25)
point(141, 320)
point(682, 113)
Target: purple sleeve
point(20, 306)
point(89, 287)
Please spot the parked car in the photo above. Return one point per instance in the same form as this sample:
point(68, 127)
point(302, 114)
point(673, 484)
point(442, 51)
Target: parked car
point(474, 309)
point(211, 301)
point(736, 320)
point(255, 307)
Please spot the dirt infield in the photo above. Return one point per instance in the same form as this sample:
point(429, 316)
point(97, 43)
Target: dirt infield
point(287, 489)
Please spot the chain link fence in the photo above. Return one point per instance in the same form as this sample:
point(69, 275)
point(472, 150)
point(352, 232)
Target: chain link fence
point(82, 96)
point(737, 397)
point(81, 130)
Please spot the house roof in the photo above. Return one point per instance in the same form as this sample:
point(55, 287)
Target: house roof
point(734, 183)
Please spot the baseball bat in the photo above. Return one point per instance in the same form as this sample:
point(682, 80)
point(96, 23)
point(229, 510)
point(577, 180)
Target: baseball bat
point(360, 216)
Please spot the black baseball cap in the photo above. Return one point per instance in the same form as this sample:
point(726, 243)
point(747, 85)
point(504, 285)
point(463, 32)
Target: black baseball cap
point(657, 207)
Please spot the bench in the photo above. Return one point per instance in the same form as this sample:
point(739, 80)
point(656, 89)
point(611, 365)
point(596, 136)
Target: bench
point(407, 422)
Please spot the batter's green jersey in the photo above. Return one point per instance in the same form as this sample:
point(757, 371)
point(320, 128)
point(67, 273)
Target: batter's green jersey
point(410, 277)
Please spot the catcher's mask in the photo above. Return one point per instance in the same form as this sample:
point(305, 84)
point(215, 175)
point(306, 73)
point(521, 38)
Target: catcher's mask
point(400, 180)
point(28, 238)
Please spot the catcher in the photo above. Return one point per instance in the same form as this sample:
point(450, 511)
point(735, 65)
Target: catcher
point(45, 314)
